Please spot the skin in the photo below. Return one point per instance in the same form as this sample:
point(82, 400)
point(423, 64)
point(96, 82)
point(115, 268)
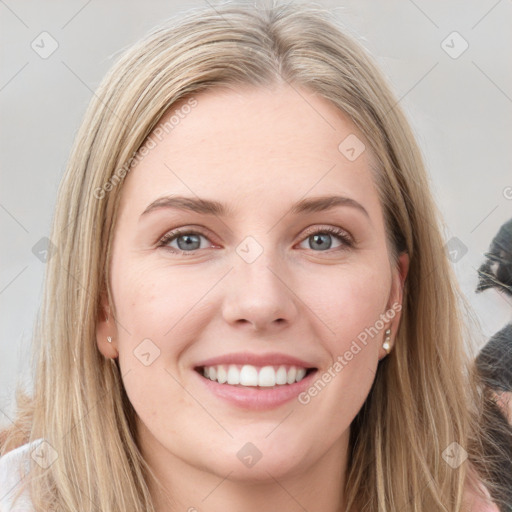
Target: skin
point(504, 401)
point(259, 151)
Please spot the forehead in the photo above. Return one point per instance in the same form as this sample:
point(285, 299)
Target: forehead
point(256, 144)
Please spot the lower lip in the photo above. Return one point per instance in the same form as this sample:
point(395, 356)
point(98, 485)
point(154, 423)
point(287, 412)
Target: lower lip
point(255, 397)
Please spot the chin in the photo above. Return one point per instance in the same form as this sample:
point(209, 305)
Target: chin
point(262, 459)
point(269, 468)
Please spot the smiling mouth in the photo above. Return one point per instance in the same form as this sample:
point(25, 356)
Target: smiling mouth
point(254, 376)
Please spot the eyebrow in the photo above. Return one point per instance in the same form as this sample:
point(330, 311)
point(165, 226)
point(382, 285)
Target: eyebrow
point(210, 207)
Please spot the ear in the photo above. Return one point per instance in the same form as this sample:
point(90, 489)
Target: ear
point(105, 327)
point(399, 275)
point(394, 306)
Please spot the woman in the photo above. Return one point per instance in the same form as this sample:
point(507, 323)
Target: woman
point(250, 307)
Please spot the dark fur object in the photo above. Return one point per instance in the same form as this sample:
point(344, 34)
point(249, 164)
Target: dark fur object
point(494, 364)
point(496, 271)
point(495, 360)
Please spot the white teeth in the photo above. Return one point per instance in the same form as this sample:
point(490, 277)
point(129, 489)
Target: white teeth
point(292, 373)
point(222, 374)
point(301, 372)
point(249, 375)
point(281, 375)
point(267, 377)
point(233, 374)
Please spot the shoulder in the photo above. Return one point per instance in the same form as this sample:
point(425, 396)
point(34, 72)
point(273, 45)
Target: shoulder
point(14, 466)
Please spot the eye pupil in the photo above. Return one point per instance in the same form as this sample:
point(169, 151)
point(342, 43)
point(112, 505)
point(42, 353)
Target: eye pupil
point(320, 238)
point(190, 240)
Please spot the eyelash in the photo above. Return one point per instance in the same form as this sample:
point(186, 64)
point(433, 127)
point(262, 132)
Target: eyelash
point(342, 235)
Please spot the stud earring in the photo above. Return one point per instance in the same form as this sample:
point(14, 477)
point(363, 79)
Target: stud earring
point(109, 339)
point(387, 345)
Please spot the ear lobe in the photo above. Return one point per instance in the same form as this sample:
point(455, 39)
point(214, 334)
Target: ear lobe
point(399, 275)
point(397, 287)
point(105, 328)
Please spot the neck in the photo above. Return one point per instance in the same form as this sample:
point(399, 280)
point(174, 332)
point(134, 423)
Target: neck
point(315, 488)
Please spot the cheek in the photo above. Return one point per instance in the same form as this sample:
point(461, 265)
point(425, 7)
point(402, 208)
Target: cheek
point(154, 313)
point(155, 302)
point(353, 307)
point(351, 301)
point(161, 311)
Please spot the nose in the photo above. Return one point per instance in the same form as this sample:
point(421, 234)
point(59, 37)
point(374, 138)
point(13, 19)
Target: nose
point(260, 295)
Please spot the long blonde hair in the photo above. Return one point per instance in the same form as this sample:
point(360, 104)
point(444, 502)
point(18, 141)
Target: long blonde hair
point(425, 395)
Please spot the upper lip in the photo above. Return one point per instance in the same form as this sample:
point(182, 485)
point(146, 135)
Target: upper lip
point(270, 359)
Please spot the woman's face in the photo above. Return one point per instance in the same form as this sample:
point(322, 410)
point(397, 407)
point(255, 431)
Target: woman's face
point(267, 280)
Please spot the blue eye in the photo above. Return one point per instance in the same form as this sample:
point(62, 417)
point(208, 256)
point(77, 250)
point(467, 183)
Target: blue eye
point(319, 238)
point(188, 241)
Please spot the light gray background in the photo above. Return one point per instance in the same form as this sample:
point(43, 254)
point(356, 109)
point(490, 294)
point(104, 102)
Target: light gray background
point(460, 109)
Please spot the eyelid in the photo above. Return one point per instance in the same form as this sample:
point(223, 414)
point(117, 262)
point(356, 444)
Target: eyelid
point(185, 230)
point(346, 238)
point(332, 230)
